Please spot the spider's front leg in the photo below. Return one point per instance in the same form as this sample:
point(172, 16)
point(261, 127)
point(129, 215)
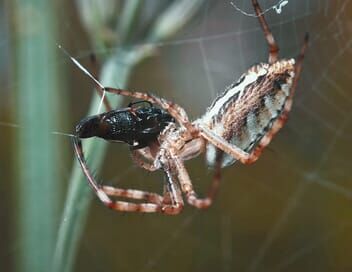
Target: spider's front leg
point(171, 203)
point(175, 110)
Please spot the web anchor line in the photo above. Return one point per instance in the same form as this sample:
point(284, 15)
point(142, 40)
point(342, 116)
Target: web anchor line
point(278, 8)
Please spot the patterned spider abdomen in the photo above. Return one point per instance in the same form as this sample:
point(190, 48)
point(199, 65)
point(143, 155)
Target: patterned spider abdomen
point(246, 110)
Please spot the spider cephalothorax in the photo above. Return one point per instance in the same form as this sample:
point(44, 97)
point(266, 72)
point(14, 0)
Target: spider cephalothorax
point(238, 125)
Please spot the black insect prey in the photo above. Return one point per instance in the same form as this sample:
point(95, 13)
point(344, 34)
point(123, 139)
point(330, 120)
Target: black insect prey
point(137, 126)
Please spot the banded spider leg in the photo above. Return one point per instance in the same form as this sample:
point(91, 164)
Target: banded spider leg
point(170, 203)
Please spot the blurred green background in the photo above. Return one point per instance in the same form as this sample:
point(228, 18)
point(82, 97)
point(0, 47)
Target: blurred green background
point(290, 211)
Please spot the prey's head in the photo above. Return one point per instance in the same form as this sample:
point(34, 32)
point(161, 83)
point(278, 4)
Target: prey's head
point(91, 126)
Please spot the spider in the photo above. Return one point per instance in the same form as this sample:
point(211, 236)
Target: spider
point(238, 125)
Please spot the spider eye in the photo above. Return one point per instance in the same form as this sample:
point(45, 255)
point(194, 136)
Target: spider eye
point(88, 127)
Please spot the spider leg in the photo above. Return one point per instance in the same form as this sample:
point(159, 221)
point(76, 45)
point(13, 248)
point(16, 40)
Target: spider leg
point(175, 110)
point(238, 153)
point(155, 202)
point(248, 158)
point(273, 47)
point(173, 202)
point(225, 146)
point(99, 88)
point(187, 187)
point(298, 69)
point(133, 194)
point(95, 68)
point(279, 123)
point(143, 159)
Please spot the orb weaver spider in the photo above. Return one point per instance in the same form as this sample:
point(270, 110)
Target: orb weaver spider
point(238, 125)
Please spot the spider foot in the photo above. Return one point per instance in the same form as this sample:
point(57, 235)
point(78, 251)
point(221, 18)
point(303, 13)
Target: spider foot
point(200, 203)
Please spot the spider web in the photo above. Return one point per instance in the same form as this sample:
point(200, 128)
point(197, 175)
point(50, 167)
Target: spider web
point(290, 211)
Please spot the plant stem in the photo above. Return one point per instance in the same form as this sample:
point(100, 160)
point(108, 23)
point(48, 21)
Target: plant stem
point(37, 105)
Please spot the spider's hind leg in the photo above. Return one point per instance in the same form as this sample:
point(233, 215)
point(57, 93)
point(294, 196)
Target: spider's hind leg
point(273, 47)
point(187, 187)
point(298, 69)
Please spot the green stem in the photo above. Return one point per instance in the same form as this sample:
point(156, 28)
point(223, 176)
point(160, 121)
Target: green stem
point(37, 105)
point(128, 20)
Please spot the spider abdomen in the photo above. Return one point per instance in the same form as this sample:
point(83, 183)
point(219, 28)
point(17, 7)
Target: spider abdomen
point(246, 110)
